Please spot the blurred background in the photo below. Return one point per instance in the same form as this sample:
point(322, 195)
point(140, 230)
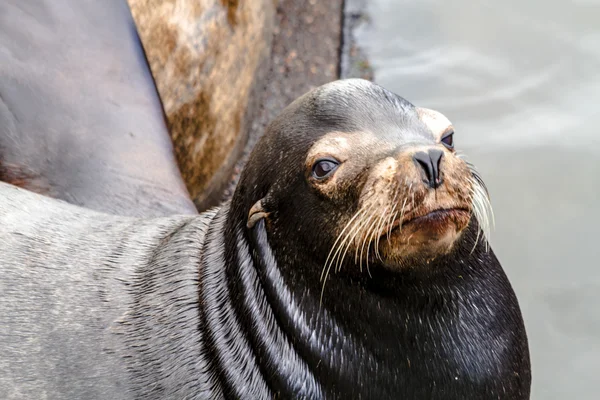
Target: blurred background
point(521, 82)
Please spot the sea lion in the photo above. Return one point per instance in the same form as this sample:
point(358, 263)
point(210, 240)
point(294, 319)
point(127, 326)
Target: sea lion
point(80, 118)
point(350, 263)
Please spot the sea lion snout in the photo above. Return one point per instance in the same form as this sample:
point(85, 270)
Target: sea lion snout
point(426, 201)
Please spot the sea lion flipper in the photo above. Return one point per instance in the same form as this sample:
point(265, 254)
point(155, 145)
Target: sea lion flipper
point(256, 213)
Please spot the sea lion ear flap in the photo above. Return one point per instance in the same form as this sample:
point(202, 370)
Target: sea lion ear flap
point(257, 212)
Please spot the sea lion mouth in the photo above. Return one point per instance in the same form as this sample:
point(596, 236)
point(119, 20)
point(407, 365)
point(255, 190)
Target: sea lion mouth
point(439, 216)
point(426, 233)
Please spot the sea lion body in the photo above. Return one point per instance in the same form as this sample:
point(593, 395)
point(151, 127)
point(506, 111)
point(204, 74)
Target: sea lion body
point(75, 284)
point(80, 118)
point(235, 303)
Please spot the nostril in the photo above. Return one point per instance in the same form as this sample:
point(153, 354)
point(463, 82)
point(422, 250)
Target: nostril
point(430, 163)
point(427, 168)
point(436, 156)
point(436, 159)
point(424, 161)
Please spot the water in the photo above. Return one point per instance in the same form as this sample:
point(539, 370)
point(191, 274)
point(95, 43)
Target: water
point(521, 83)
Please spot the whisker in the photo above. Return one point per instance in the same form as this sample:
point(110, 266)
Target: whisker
point(365, 241)
point(402, 212)
point(347, 242)
point(356, 257)
point(367, 260)
point(482, 208)
point(357, 230)
point(389, 220)
point(329, 261)
point(356, 215)
point(377, 229)
point(344, 245)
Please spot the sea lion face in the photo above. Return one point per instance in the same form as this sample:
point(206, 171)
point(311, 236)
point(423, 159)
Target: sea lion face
point(382, 182)
point(414, 195)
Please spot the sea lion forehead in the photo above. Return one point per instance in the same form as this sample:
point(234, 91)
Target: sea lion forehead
point(435, 121)
point(362, 100)
point(364, 115)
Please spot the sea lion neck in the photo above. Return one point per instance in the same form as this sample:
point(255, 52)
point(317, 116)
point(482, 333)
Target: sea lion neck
point(241, 330)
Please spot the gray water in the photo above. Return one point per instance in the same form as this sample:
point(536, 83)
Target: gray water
point(520, 80)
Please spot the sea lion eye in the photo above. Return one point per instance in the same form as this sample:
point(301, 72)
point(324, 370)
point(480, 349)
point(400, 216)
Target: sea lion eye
point(448, 140)
point(324, 167)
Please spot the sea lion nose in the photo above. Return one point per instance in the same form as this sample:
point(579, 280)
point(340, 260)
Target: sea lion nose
point(430, 163)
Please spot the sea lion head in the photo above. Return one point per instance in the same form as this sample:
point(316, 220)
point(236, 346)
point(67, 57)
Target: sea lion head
point(352, 174)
